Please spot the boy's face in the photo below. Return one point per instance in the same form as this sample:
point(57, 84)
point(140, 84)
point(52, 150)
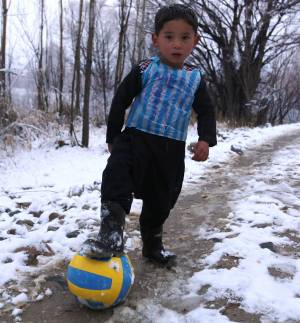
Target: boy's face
point(175, 42)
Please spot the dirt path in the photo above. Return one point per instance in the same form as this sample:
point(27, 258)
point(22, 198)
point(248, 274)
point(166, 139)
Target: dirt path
point(205, 209)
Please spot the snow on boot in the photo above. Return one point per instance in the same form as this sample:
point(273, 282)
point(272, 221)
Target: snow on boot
point(109, 241)
point(153, 248)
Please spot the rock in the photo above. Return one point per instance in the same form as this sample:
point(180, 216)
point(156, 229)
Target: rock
point(268, 245)
point(12, 213)
point(52, 228)
point(60, 143)
point(216, 240)
point(68, 207)
point(219, 134)
point(73, 234)
point(76, 191)
point(25, 222)
point(53, 216)
point(26, 188)
point(237, 150)
point(281, 273)
point(7, 260)
point(12, 231)
point(23, 205)
point(36, 214)
point(86, 207)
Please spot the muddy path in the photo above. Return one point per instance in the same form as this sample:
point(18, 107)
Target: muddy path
point(205, 209)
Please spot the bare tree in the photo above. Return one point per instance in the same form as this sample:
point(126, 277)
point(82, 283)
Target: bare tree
point(88, 75)
point(76, 79)
point(38, 63)
point(103, 56)
point(61, 58)
point(3, 49)
point(40, 77)
point(139, 32)
point(241, 37)
point(124, 13)
point(284, 95)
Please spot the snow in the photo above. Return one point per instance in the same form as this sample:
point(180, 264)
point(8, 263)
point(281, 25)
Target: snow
point(19, 299)
point(265, 200)
point(49, 205)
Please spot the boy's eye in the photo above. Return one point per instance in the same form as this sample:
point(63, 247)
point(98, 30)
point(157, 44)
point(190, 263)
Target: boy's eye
point(186, 37)
point(169, 37)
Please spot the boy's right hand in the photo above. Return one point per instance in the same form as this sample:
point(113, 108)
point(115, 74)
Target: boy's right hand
point(201, 151)
point(110, 147)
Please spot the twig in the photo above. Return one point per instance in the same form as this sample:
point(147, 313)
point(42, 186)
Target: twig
point(29, 191)
point(5, 129)
point(33, 127)
point(23, 125)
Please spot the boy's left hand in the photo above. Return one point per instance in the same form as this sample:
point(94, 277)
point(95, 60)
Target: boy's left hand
point(201, 151)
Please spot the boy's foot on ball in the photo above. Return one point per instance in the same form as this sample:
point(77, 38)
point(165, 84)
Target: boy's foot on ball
point(93, 248)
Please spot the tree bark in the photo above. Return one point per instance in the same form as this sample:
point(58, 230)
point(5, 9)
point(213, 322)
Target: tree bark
point(88, 75)
point(40, 78)
point(3, 49)
point(61, 61)
point(124, 14)
point(76, 79)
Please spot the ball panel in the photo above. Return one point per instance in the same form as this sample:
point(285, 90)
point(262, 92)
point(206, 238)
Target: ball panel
point(89, 264)
point(91, 295)
point(88, 280)
point(128, 279)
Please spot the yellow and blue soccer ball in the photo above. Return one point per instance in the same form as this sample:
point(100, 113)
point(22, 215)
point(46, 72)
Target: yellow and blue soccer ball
point(100, 283)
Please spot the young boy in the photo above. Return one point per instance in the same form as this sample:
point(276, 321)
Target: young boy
point(147, 157)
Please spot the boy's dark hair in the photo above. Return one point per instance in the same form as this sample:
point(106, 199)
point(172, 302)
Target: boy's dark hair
point(174, 12)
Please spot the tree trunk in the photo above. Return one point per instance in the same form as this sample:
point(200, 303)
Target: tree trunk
point(135, 37)
point(61, 62)
point(88, 75)
point(124, 14)
point(141, 32)
point(75, 91)
point(40, 78)
point(103, 76)
point(3, 49)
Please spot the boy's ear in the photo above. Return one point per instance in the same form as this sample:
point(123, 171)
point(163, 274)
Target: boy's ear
point(196, 39)
point(155, 40)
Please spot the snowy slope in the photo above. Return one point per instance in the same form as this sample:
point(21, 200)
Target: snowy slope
point(49, 204)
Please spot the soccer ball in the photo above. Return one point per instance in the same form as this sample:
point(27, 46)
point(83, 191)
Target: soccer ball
point(100, 283)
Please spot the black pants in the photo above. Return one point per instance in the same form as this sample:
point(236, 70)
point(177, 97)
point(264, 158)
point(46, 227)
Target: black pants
point(150, 167)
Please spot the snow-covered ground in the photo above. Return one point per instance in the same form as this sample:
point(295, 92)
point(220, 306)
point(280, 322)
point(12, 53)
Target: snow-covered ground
point(262, 238)
point(49, 204)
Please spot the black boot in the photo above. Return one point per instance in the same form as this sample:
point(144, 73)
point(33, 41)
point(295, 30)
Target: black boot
point(109, 241)
point(153, 248)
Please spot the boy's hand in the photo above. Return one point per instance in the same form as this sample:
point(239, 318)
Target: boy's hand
point(109, 147)
point(201, 151)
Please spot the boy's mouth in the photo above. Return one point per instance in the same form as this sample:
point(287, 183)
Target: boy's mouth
point(176, 55)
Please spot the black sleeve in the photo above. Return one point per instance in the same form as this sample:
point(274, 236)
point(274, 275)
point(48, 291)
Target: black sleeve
point(205, 115)
point(129, 88)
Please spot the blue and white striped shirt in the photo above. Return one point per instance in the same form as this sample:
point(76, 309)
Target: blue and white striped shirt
point(164, 105)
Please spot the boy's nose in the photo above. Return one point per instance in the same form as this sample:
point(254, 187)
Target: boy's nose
point(177, 44)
